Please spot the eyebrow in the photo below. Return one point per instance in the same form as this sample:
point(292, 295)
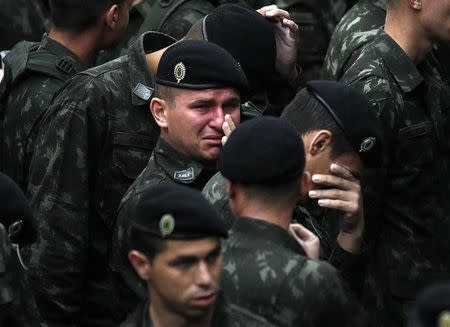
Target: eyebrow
point(213, 252)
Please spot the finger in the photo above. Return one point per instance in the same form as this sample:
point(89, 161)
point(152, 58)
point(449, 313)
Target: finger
point(290, 24)
point(342, 172)
point(336, 181)
point(265, 9)
point(230, 122)
point(302, 232)
point(276, 12)
point(224, 140)
point(226, 128)
point(334, 194)
point(348, 207)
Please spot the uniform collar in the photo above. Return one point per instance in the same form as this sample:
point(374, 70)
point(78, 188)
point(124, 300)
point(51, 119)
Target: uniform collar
point(398, 63)
point(258, 231)
point(141, 80)
point(180, 168)
point(61, 51)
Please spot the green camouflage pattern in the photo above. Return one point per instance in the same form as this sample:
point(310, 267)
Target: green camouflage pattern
point(411, 234)
point(265, 273)
point(359, 26)
point(96, 138)
point(349, 265)
point(17, 306)
point(226, 315)
point(23, 20)
point(28, 97)
point(165, 165)
point(142, 19)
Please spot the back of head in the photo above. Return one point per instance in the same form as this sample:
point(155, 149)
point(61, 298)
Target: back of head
point(77, 16)
point(345, 112)
point(15, 212)
point(249, 37)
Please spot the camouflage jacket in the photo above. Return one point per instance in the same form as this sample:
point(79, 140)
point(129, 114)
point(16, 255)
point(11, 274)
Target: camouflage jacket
point(173, 18)
point(265, 273)
point(96, 138)
point(36, 71)
point(165, 164)
point(358, 27)
point(225, 315)
point(17, 306)
point(413, 103)
point(350, 266)
point(23, 20)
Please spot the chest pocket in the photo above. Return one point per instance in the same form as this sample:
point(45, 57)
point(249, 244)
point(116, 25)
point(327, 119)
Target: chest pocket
point(131, 153)
point(416, 144)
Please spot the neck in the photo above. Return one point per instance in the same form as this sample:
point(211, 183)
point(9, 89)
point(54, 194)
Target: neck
point(83, 45)
point(153, 59)
point(160, 316)
point(280, 215)
point(405, 31)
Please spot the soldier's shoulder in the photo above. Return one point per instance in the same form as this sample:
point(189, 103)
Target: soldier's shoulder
point(113, 67)
point(215, 189)
point(240, 317)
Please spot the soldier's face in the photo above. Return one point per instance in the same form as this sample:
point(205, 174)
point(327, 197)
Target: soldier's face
point(194, 121)
point(184, 279)
point(435, 19)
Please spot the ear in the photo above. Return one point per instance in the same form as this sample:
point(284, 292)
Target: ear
point(158, 108)
point(305, 185)
point(141, 264)
point(320, 140)
point(112, 17)
point(415, 4)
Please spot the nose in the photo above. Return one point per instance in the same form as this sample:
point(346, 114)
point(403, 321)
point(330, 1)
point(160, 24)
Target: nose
point(217, 118)
point(204, 278)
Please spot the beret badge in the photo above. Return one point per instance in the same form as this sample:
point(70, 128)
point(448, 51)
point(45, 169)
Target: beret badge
point(179, 72)
point(367, 144)
point(166, 225)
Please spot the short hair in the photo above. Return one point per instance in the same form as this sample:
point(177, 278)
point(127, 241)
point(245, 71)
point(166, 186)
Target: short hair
point(145, 243)
point(273, 193)
point(166, 93)
point(307, 114)
point(78, 15)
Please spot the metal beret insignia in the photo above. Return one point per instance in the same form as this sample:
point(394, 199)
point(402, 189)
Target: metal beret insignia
point(444, 319)
point(367, 144)
point(166, 225)
point(179, 71)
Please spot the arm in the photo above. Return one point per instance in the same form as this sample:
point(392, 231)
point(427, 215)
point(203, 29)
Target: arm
point(61, 181)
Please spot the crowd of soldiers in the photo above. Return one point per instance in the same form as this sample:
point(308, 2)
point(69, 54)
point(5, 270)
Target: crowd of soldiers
point(225, 163)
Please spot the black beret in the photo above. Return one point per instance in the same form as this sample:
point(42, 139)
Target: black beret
point(198, 65)
point(350, 109)
point(15, 212)
point(249, 37)
point(432, 307)
point(265, 150)
point(173, 211)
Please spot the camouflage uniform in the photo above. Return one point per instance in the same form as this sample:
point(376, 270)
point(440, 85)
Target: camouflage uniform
point(225, 315)
point(96, 138)
point(349, 265)
point(23, 20)
point(165, 164)
point(17, 306)
point(174, 19)
point(413, 247)
point(35, 71)
point(264, 273)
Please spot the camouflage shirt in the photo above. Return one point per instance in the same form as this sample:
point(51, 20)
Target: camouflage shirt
point(265, 273)
point(36, 72)
point(165, 164)
point(413, 103)
point(17, 306)
point(225, 315)
point(174, 19)
point(23, 20)
point(350, 266)
point(95, 140)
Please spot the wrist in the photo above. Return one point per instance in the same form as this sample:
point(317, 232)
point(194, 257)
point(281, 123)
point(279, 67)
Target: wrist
point(350, 242)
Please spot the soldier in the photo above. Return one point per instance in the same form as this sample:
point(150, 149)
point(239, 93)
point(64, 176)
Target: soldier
point(197, 84)
point(324, 114)
point(173, 17)
point(263, 162)
point(23, 20)
point(399, 76)
point(35, 72)
point(176, 249)
point(97, 137)
point(17, 230)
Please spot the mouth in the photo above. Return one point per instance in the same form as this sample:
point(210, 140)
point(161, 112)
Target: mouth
point(205, 301)
point(213, 140)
